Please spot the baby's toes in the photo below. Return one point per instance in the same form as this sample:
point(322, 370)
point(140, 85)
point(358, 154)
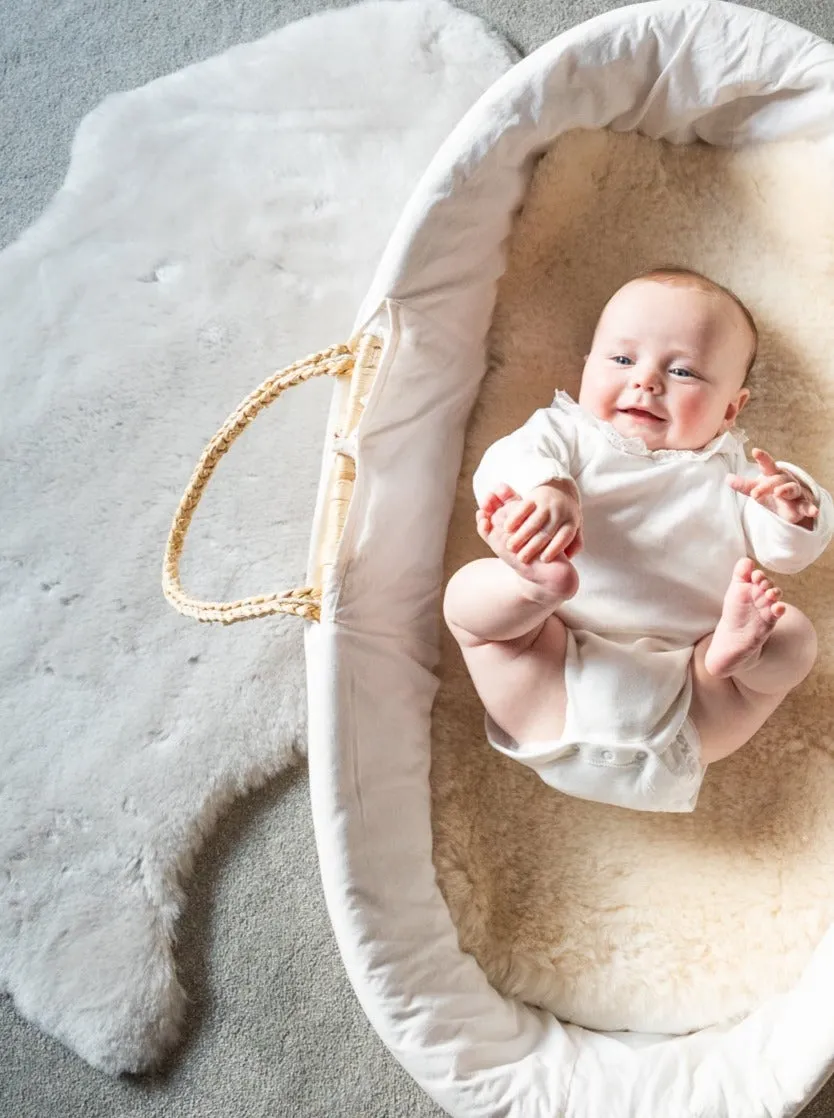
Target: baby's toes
point(774, 605)
point(491, 502)
point(759, 587)
point(773, 597)
point(498, 534)
point(499, 519)
point(760, 597)
point(503, 493)
point(769, 601)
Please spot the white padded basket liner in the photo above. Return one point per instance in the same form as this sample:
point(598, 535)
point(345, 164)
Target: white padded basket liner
point(703, 70)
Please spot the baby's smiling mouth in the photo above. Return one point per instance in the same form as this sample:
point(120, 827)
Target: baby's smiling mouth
point(642, 414)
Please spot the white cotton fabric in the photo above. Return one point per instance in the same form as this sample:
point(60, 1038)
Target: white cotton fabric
point(712, 71)
point(662, 533)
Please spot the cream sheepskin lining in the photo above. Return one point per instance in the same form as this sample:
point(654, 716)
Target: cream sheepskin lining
point(609, 918)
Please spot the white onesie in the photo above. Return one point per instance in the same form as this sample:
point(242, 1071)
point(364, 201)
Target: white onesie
point(662, 532)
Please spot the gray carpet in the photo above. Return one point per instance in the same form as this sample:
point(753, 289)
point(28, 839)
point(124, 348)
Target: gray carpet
point(274, 1028)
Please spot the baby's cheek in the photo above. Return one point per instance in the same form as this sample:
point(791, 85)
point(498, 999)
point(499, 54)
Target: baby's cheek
point(694, 411)
point(600, 399)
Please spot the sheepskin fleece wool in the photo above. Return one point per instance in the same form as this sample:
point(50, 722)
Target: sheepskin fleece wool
point(214, 225)
point(609, 918)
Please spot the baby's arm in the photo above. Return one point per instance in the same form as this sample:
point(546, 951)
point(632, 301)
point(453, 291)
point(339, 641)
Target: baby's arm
point(788, 518)
point(536, 464)
point(543, 450)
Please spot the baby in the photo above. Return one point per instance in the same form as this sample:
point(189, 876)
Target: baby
point(622, 640)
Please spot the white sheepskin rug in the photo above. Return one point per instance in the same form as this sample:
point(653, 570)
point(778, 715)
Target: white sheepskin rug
point(616, 919)
point(214, 226)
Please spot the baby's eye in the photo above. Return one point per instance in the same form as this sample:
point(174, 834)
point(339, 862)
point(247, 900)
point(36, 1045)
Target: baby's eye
point(621, 359)
point(683, 374)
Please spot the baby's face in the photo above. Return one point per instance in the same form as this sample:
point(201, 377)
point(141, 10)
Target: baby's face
point(667, 364)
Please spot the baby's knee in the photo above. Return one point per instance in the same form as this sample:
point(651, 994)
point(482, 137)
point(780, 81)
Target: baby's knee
point(800, 638)
point(459, 598)
point(457, 588)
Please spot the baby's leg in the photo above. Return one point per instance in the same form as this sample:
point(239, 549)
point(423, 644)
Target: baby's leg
point(760, 650)
point(500, 611)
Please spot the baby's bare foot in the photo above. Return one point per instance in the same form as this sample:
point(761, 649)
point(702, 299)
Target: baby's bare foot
point(751, 610)
point(556, 579)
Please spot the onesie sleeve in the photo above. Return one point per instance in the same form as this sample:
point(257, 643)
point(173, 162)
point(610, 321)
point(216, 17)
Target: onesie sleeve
point(543, 450)
point(778, 545)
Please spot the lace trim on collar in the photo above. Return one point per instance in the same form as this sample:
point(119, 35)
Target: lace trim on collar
point(729, 441)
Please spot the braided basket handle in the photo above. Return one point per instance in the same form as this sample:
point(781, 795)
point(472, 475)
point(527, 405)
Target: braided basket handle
point(337, 361)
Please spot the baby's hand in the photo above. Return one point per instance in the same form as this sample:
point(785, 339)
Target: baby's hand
point(544, 524)
point(778, 491)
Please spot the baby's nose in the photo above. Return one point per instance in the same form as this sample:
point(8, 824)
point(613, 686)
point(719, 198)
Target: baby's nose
point(648, 377)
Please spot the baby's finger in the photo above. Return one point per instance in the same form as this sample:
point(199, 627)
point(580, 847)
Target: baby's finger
point(559, 542)
point(575, 545)
point(788, 491)
point(796, 511)
point(743, 485)
point(766, 486)
point(533, 524)
point(534, 547)
point(519, 514)
point(764, 461)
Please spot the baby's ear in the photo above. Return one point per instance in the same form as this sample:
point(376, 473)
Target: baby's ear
point(735, 406)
